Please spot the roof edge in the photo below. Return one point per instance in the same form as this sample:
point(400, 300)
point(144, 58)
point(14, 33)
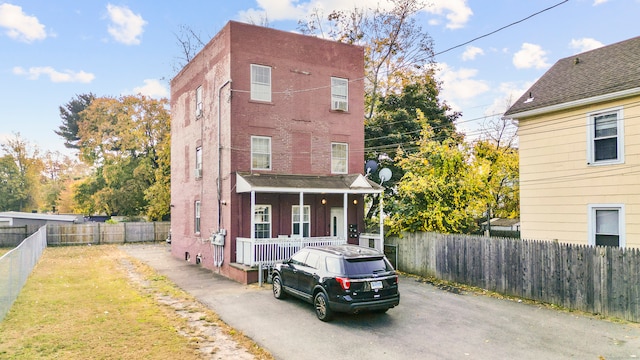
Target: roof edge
point(575, 103)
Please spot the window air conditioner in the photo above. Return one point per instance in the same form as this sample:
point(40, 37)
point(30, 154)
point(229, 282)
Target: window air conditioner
point(340, 105)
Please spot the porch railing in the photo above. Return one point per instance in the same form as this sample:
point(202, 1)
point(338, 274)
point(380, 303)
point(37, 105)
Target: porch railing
point(266, 252)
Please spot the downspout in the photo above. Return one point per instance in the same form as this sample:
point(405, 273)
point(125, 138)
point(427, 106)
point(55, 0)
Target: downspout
point(218, 243)
point(219, 186)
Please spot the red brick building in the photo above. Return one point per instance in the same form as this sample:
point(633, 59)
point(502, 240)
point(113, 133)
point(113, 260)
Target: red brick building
point(265, 123)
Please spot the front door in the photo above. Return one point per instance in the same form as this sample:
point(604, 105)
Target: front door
point(337, 222)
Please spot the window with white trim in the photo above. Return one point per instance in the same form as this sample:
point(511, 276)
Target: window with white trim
point(198, 162)
point(199, 105)
point(339, 158)
point(260, 153)
point(260, 83)
point(339, 94)
point(606, 137)
point(262, 222)
point(306, 220)
point(196, 222)
point(606, 225)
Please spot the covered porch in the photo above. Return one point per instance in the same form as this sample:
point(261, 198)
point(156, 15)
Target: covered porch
point(289, 212)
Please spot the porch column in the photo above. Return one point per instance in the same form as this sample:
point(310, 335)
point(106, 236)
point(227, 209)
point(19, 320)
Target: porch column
point(253, 214)
point(345, 204)
point(301, 218)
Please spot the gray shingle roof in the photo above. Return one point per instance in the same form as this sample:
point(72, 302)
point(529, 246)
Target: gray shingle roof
point(601, 71)
point(355, 183)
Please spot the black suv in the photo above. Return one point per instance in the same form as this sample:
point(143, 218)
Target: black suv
point(340, 278)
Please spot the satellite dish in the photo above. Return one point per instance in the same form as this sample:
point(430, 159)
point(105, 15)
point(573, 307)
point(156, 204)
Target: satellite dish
point(384, 175)
point(371, 166)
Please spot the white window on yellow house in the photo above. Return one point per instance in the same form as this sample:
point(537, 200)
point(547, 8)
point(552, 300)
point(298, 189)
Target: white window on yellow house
point(262, 222)
point(339, 94)
point(306, 221)
point(606, 137)
point(339, 158)
point(607, 225)
point(260, 83)
point(260, 153)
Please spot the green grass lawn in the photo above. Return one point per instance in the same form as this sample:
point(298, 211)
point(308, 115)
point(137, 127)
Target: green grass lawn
point(79, 303)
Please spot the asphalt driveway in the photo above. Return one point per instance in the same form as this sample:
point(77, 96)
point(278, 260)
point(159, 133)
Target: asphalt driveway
point(430, 323)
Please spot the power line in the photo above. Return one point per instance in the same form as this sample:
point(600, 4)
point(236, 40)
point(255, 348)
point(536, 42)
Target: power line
point(500, 29)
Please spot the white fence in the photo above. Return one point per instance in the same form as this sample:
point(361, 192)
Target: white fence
point(266, 252)
point(16, 265)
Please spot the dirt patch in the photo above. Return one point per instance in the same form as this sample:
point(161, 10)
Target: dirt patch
point(206, 333)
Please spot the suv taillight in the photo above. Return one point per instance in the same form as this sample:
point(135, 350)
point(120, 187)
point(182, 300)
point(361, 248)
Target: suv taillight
point(344, 282)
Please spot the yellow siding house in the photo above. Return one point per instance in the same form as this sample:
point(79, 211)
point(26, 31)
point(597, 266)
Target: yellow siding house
point(579, 130)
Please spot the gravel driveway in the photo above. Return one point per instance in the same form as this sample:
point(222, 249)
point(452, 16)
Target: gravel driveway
point(430, 323)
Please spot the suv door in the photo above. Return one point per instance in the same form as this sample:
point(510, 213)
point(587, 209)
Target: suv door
point(289, 272)
point(308, 274)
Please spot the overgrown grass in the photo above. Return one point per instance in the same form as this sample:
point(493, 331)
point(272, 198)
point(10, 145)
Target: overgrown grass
point(80, 304)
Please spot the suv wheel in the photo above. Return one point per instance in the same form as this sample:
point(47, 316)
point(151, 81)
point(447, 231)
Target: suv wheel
point(277, 288)
point(321, 303)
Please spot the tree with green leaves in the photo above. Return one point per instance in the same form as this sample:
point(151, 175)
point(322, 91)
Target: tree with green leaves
point(396, 126)
point(439, 189)
point(496, 157)
point(126, 139)
point(71, 116)
point(27, 173)
point(12, 194)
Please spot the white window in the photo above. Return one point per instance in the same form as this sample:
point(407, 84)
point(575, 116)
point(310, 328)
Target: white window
point(606, 225)
point(339, 158)
point(260, 153)
point(260, 83)
point(197, 217)
point(306, 220)
point(339, 94)
point(606, 137)
point(199, 105)
point(262, 222)
point(198, 162)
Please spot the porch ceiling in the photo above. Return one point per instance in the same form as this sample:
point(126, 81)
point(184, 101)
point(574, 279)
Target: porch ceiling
point(332, 184)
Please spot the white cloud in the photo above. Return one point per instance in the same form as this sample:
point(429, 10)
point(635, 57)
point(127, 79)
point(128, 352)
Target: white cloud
point(458, 86)
point(152, 88)
point(20, 26)
point(456, 12)
point(599, 2)
point(126, 27)
point(471, 52)
point(585, 44)
point(508, 93)
point(530, 56)
point(55, 76)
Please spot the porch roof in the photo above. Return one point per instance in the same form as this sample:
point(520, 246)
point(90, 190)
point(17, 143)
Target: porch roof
point(330, 184)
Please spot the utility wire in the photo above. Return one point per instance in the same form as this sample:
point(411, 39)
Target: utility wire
point(500, 29)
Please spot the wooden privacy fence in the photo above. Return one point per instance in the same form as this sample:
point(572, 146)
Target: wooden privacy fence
point(599, 280)
point(11, 236)
point(102, 233)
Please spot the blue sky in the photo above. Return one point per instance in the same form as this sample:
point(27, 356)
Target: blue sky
point(51, 51)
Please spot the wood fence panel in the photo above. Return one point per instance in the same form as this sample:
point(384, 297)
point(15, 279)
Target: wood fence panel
point(101, 233)
point(600, 280)
point(12, 236)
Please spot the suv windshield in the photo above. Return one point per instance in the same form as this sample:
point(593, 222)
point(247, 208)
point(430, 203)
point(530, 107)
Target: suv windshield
point(366, 267)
